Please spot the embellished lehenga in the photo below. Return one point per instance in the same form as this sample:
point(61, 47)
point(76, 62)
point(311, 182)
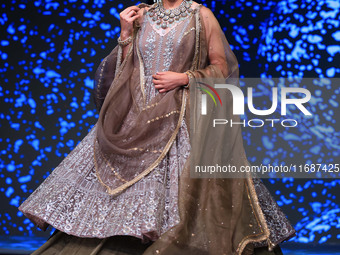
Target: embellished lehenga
point(77, 198)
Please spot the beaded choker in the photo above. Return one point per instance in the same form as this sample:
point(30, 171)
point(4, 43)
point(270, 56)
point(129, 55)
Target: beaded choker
point(165, 18)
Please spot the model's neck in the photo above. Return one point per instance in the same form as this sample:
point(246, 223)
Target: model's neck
point(171, 4)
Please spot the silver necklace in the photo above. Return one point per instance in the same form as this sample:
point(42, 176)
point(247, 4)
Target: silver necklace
point(165, 18)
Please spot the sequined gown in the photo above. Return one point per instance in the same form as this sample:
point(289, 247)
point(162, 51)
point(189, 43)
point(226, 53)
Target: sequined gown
point(72, 199)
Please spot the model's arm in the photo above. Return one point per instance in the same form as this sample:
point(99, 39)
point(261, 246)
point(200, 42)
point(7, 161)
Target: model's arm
point(106, 71)
point(127, 18)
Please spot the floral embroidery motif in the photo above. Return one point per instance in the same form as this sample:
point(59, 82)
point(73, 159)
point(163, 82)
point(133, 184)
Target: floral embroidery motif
point(72, 199)
point(149, 53)
point(168, 52)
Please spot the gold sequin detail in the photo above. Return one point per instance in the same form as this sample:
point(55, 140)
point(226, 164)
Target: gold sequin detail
point(189, 31)
point(163, 116)
point(141, 149)
point(112, 169)
point(149, 106)
point(100, 80)
point(106, 162)
point(115, 191)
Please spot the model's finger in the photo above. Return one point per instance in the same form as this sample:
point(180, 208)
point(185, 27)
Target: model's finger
point(130, 20)
point(127, 10)
point(130, 14)
point(156, 82)
point(137, 16)
point(157, 77)
point(134, 11)
point(160, 89)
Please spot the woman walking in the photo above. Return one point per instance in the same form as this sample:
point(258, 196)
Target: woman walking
point(126, 188)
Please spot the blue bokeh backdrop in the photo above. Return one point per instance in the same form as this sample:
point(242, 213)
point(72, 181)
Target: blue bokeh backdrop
point(50, 50)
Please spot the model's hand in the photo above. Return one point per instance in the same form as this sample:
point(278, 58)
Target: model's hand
point(165, 81)
point(127, 17)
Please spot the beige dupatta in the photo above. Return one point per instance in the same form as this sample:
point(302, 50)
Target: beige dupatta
point(217, 215)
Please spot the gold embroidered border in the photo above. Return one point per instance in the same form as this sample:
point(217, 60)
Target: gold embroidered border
point(100, 79)
point(156, 162)
point(255, 204)
point(141, 149)
point(258, 222)
point(163, 116)
point(119, 58)
point(141, 70)
point(198, 32)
